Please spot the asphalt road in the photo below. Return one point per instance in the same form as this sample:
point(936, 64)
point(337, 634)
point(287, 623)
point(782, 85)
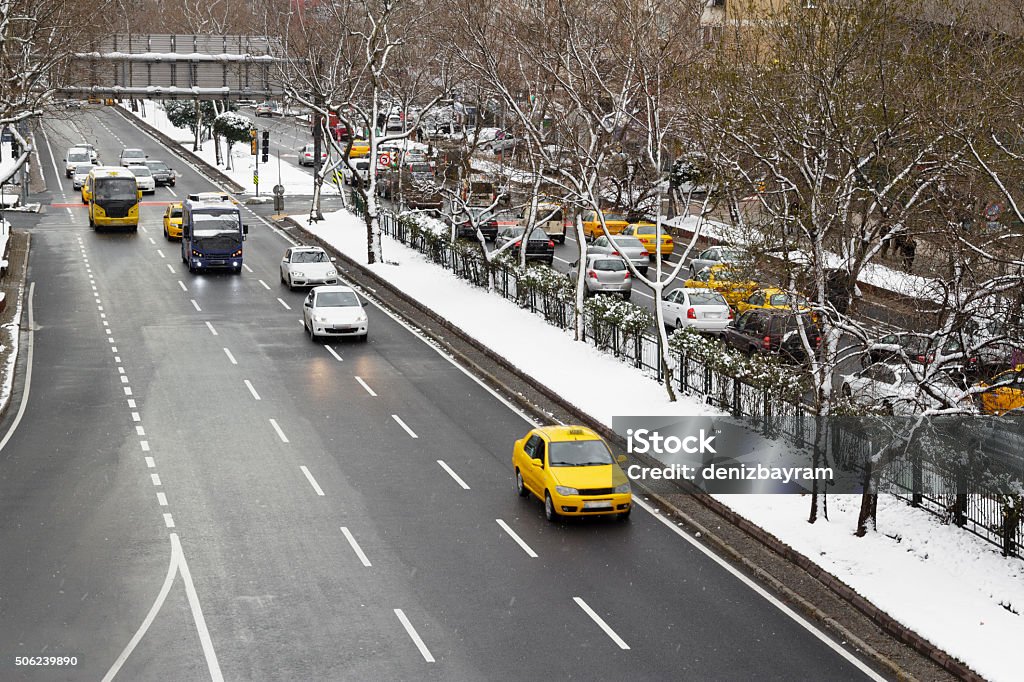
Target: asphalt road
point(196, 489)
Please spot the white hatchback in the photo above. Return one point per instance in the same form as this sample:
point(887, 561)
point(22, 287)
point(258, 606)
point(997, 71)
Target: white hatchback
point(334, 311)
point(144, 178)
point(702, 309)
point(307, 266)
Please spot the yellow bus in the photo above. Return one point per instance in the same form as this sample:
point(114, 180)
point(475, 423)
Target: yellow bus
point(113, 197)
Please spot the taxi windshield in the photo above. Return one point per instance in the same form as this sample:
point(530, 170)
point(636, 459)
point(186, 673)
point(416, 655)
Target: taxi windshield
point(579, 453)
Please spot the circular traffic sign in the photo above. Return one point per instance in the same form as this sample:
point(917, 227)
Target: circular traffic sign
point(384, 159)
point(279, 190)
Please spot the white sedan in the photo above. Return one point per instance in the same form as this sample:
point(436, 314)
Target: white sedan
point(702, 309)
point(334, 311)
point(307, 266)
point(80, 173)
point(307, 155)
point(144, 178)
point(893, 389)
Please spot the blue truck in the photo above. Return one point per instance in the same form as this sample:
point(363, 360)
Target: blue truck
point(212, 233)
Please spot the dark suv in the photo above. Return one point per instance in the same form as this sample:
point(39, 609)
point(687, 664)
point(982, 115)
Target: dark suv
point(772, 331)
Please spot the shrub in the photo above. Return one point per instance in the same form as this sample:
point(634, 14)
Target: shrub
point(630, 318)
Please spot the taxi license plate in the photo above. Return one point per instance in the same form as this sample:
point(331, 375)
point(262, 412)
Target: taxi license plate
point(597, 504)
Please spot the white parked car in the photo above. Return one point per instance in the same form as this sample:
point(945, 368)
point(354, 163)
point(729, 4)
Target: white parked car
point(80, 173)
point(334, 311)
point(893, 389)
point(702, 309)
point(306, 156)
point(144, 178)
point(306, 266)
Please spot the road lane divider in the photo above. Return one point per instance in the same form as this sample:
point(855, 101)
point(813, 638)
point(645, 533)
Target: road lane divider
point(280, 433)
point(424, 651)
point(182, 285)
point(404, 426)
point(330, 350)
point(196, 306)
point(515, 536)
point(265, 285)
point(286, 306)
point(247, 268)
point(364, 385)
point(453, 474)
point(161, 499)
point(168, 520)
point(170, 267)
point(355, 547)
point(210, 327)
point(312, 481)
point(600, 622)
point(230, 356)
point(248, 385)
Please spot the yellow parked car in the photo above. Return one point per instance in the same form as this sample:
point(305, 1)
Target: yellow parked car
point(771, 299)
point(572, 470)
point(616, 223)
point(733, 283)
point(1006, 392)
point(645, 233)
point(172, 221)
point(360, 148)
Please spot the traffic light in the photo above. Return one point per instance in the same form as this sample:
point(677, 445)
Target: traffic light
point(266, 146)
point(253, 143)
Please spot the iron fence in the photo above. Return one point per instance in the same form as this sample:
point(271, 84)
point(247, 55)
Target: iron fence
point(979, 512)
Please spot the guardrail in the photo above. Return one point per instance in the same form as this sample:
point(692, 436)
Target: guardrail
point(983, 513)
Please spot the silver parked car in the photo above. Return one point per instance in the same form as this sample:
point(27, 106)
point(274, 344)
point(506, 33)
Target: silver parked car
point(715, 255)
point(630, 248)
point(80, 173)
point(702, 309)
point(605, 275)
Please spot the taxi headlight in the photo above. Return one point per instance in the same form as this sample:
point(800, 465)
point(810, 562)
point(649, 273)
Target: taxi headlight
point(624, 488)
point(562, 490)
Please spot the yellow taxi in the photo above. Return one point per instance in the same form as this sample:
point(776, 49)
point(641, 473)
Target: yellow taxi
point(360, 148)
point(1005, 392)
point(645, 233)
point(616, 223)
point(725, 278)
point(172, 221)
point(87, 189)
point(772, 299)
point(572, 470)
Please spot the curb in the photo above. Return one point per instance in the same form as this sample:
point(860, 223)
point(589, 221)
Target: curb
point(204, 168)
point(881, 618)
point(21, 325)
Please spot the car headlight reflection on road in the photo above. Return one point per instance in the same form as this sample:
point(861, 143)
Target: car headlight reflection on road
point(562, 490)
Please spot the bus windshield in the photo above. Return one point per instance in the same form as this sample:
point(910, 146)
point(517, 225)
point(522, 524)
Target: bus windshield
point(211, 224)
point(113, 189)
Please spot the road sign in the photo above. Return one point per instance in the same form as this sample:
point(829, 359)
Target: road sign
point(384, 160)
point(256, 177)
point(279, 190)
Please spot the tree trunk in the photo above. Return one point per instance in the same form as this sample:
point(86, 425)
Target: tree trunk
point(868, 501)
point(578, 320)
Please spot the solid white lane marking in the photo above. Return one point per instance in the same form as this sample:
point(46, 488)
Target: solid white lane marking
point(56, 171)
point(332, 351)
point(247, 268)
point(145, 445)
point(424, 651)
point(452, 474)
point(761, 591)
point(161, 499)
point(197, 615)
point(170, 267)
point(28, 366)
point(286, 306)
point(196, 306)
point(264, 285)
point(161, 253)
point(155, 478)
point(255, 395)
point(182, 285)
point(312, 481)
point(212, 330)
point(355, 547)
point(600, 621)
point(515, 536)
point(168, 521)
point(230, 357)
point(280, 433)
point(150, 462)
point(404, 425)
point(368, 389)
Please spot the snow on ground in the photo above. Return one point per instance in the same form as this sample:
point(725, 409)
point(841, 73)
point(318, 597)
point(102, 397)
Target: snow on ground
point(296, 180)
point(944, 583)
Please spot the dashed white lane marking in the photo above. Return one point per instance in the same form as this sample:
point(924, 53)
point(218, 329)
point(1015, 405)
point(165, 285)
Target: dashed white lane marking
point(230, 357)
point(286, 306)
point(182, 285)
point(452, 474)
point(150, 462)
point(161, 253)
point(355, 547)
point(196, 306)
point(368, 389)
point(155, 478)
point(127, 390)
point(247, 268)
point(131, 403)
point(136, 417)
point(161, 499)
point(145, 445)
point(152, 241)
point(124, 379)
point(140, 431)
point(424, 651)
point(515, 536)
point(173, 193)
point(332, 352)
point(143, 228)
point(600, 622)
point(265, 286)
point(255, 395)
point(280, 433)
point(212, 330)
point(404, 425)
point(170, 267)
point(168, 521)
point(312, 481)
